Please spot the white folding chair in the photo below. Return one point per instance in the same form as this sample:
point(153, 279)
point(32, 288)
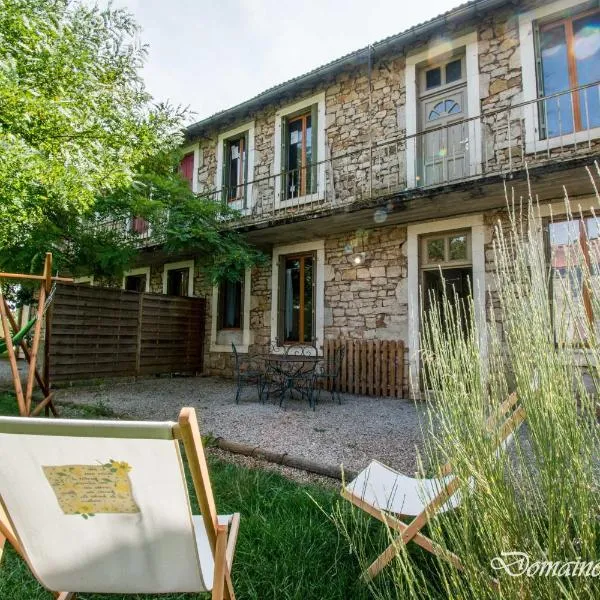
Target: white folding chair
point(103, 506)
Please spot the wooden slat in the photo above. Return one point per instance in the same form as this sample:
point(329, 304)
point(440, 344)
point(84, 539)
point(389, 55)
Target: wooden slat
point(385, 390)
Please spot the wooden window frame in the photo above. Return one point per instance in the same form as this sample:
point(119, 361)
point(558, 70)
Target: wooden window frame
point(222, 306)
point(447, 263)
point(303, 118)
point(242, 185)
point(301, 309)
point(567, 22)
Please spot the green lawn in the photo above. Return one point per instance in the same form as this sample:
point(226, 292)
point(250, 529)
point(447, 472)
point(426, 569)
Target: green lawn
point(287, 546)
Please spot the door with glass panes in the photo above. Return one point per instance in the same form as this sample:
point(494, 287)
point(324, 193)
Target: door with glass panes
point(444, 140)
point(447, 273)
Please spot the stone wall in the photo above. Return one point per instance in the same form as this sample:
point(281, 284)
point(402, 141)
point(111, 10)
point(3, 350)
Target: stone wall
point(368, 301)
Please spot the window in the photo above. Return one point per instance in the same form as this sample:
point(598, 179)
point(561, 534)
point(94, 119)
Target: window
point(177, 282)
point(135, 283)
point(297, 299)
point(447, 271)
point(299, 140)
point(230, 305)
point(575, 269)
point(139, 226)
point(444, 74)
point(186, 168)
point(568, 57)
point(235, 168)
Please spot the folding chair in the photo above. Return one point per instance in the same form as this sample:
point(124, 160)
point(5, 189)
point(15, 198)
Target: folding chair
point(103, 506)
point(389, 496)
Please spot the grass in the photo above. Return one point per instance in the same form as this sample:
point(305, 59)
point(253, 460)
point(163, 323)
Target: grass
point(287, 548)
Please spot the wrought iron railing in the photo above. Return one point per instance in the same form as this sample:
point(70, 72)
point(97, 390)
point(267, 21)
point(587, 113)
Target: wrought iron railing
point(502, 141)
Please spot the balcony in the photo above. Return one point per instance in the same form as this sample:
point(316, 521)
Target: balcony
point(554, 129)
point(551, 129)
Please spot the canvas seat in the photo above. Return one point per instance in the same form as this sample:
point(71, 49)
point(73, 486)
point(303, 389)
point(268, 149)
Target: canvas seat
point(103, 506)
point(388, 495)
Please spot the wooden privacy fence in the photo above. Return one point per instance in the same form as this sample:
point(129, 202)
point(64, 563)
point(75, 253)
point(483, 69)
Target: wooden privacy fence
point(104, 332)
point(370, 367)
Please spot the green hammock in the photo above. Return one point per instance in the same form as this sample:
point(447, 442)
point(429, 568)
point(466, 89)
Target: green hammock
point(18, 337)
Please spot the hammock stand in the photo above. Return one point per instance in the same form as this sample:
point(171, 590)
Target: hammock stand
point(12, 340)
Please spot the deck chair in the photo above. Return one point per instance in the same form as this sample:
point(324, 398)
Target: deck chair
point(389, 496)
point(103, 506)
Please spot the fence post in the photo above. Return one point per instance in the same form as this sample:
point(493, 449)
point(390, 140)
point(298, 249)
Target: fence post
point(138, 345)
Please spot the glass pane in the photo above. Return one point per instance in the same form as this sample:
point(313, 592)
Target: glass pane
point(233, 169)
point(177, 282)
point(558, 111)
point(458, 247)
point(308, 300)
point(309, 155)
point(291, 320)
point(135, 283)
point(587, 57)
point(231, 304)
point(566, 256)
point(294, 158)
point(454, 71)
point(435, 251)
point(433, 78)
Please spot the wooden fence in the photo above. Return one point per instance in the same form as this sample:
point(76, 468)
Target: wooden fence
point(104, 332)
point(371, 368)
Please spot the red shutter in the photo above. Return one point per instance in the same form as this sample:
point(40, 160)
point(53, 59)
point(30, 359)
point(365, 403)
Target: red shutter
point(186, 167)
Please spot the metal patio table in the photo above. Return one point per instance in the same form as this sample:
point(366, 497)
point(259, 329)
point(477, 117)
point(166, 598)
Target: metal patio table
point(292, 373)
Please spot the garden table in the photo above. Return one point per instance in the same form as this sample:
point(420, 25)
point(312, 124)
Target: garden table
point(292, 372)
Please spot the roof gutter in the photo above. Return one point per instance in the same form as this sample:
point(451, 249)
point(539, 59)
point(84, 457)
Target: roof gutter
point(395, 43)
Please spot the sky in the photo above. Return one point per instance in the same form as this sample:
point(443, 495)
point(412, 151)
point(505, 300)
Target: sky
point(211, 55)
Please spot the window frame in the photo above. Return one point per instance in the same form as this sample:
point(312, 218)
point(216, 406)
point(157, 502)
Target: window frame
point(528, 22)
point(136, 272)
point(184, 264)
point(305, 167)
point(245, 202)
point(318, 248)
point(567, 22)
point(242, 170)
point(221, 307)
point(281, 304)
point(318, 148)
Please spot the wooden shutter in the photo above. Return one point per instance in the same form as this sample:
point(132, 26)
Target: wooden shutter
point(314, 124)
point(225, 172)
point(281, 299)
point(284, 158)
point(242, 284)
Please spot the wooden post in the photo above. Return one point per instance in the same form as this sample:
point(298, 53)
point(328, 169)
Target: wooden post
point(12, 359)
point(44, 289)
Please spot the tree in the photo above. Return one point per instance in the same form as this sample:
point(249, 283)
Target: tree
point(82, 140)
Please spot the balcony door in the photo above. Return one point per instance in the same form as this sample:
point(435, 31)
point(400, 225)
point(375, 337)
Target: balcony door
point(443, 142)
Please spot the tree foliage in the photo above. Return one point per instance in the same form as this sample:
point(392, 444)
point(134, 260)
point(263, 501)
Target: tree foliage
point(82, 142)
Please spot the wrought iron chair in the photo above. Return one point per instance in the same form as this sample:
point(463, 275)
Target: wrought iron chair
point(329, 374)
point(248, 373)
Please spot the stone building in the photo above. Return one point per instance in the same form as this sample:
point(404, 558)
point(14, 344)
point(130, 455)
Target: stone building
point(363, 177)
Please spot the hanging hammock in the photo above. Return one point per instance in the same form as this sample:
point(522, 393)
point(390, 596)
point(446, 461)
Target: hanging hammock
point(18, 337)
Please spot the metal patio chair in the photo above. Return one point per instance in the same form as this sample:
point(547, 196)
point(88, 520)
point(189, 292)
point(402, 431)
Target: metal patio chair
point(329, 373)
point(248, 373)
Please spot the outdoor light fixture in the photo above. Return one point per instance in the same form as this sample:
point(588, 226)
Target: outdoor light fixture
point(359, 258)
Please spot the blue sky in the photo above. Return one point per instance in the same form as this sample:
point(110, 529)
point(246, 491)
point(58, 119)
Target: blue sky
point(210, 55)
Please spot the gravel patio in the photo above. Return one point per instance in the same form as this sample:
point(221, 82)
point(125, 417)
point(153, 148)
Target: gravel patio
point(353, 433)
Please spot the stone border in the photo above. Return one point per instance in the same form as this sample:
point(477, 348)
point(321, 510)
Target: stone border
point(285, 459)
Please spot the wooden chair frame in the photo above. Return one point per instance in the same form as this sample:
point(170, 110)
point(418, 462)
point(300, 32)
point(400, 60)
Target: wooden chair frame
point(411, 532)
point(24, 400)
point(222, 538)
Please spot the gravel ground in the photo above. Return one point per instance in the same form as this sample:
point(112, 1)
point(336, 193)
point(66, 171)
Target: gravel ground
point(353, 433)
